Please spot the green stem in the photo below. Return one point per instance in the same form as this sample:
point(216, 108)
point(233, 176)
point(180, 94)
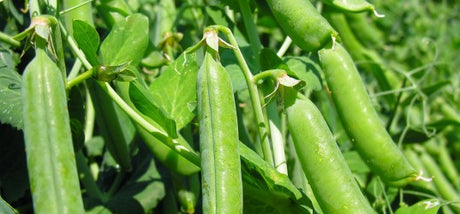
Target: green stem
point(79, 79)
point(284, 47)
point(9, 40)
point(262, 124)
point(90, 117)
point(251, 30)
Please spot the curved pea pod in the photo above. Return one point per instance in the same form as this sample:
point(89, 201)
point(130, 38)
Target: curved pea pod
point(350, 5)
point(360, 119)
point(50, 156)
point(303, 23)
point(220, 159)
point(83, 13)
point(330, 177)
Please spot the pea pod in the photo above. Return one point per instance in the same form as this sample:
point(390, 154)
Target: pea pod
point(350, 5)
point(332, 182)
point(220, 159)
point(50, 157)
point(360, 119)
point(303, 23)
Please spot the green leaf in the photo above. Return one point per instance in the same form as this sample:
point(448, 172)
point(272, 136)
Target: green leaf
point(430, 206)
point(144, 102)
point(10, 96)
point(268, 190)
point(87, 38)
point(306, 70)
point(260, 174)
point(175, 89)
point(127, 41)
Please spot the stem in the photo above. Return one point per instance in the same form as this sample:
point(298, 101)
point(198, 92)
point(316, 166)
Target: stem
point(80, 78)
point(263, 129)
point(90, 117)
point(75, 69)
point(284, 47)
point(9, 40)
point(251, 30)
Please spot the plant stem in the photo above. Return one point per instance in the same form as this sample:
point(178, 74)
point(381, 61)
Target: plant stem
point(284, 47)
point(90, 117)
point(262, 124)
point(80, 78)
point(9, 40)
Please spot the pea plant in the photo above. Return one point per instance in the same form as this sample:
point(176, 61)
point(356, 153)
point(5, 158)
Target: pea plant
point(240, 106)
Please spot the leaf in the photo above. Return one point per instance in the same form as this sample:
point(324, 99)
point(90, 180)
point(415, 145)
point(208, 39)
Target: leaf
point(306, 70)
point(430, 206)
point(175, 89)
point(10, 96)
point(144, 102)
point(260, 174)
point(127, 41)
point(267, 189)
point(87, 38)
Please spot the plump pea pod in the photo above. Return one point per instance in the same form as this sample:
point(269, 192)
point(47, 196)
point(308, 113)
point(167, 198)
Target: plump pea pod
point(360, 119)
point(350, 5)
point(303, 23)
point(220, 159)
point(322, 162)
point(50, 157)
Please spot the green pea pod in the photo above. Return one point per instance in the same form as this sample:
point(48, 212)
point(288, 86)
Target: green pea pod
point(350, 5)
point(50, 157)
point(303, 23)
point(360, 119)
point(220, 159)
point(330, 177)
